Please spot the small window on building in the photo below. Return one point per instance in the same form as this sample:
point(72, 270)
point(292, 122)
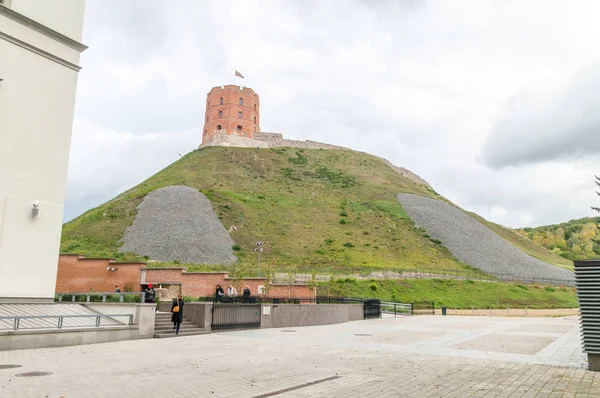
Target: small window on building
point(239, 115)
point(219, 127)
point(239, 127)
point(220, 113)
point(241, 101)
point(205, 131)
point(221, 101)
point(254, 106)
point(254, 119)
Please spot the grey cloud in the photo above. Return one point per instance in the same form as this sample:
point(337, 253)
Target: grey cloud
point(415, 82)
point(547, 124)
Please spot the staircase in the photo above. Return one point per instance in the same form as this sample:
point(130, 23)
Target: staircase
point(163, 327)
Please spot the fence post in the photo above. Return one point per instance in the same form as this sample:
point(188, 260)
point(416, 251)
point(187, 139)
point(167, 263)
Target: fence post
point(97, 321)
point(394, 310)
point(16, 325)
point(104, 298)
point(131, 319)
point(120, 298)
point(60, 297)
point(60, 322)
point(87, 298)
point(73, 298)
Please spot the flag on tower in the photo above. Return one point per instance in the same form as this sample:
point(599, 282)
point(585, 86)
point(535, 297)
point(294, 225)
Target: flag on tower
point(238, 74)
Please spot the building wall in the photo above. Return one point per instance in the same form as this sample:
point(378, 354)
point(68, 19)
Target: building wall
point(39, 65)
point(229, 120)
point(77, 274)
point(81, 275)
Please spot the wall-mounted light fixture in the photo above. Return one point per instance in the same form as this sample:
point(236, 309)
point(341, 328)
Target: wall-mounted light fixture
point(111, 269)
point(35, 210)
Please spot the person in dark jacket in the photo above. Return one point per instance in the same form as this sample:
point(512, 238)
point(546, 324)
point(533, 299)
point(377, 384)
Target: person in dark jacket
point(246, 294)
point(177, 316)
point(219, 293)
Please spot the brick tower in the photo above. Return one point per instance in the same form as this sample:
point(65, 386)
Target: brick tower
point(231, 110)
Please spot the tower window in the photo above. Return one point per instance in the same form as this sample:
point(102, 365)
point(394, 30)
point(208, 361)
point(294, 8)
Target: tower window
point(239, 127)
point(220, 113)
point(219, 127)
point(239, 115)
point(241, 101)
point(254, 119)
point(221, 101)
point(254, 106)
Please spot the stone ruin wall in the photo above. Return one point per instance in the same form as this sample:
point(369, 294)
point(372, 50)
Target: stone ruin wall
point(276, 140)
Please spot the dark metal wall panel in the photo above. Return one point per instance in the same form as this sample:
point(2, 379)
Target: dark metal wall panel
point(587, 280)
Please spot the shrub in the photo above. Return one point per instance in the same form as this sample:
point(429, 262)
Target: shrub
point(343, 214)
point(373, 287)
point(550, 289)
point(236, 248)
point(320, 251)
point(436, 241)
point(522, 286)
point(348, 244)
point(343, 221)
point(328, 241)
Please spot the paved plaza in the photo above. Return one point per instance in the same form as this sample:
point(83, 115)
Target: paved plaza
point(419, 356)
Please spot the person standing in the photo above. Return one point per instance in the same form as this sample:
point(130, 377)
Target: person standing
point(177, 311)
point(219, 293)
point(117, 290)
point(246, 294)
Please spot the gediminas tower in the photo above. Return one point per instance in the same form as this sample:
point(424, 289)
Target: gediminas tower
point(231, 110)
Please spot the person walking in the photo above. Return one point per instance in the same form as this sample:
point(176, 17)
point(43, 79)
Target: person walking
point(117, 290)
point(177, 311)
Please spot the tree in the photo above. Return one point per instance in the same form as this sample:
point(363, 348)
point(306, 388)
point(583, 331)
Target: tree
point(597, 183)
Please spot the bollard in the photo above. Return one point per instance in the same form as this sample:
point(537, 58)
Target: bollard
point(443, 310)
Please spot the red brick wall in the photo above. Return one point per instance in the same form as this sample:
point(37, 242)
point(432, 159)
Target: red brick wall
point(250, 120)
point(80, 275)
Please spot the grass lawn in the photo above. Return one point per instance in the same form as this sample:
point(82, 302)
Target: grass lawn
point(454, 293)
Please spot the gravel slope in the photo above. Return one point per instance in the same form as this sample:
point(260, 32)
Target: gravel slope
point(473, 243)
point(178, 223)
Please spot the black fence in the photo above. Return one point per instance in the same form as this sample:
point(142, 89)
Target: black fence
point(372, 309)
point(423, 308)
point(280, 300)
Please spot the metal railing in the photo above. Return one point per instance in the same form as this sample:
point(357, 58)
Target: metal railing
point(102, 295)
point(280, 300)
point(396, 308)
point(60, 318)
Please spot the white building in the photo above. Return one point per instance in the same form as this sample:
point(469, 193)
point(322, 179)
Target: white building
point(40, 45)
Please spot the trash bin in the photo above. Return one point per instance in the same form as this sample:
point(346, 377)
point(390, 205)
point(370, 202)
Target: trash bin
point(443, 310)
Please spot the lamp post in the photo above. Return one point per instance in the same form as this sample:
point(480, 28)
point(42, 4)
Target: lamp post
point(258, 249)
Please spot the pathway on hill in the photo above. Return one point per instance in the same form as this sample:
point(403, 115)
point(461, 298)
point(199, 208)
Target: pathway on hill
point(475, 244)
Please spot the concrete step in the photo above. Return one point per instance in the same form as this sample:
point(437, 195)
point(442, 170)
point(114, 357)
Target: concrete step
point(182, 332)
point(170, 327)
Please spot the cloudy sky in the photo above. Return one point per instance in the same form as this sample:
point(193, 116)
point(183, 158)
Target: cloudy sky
point(495, 103)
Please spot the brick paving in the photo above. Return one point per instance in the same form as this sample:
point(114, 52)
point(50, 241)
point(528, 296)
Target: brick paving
point(421, 356)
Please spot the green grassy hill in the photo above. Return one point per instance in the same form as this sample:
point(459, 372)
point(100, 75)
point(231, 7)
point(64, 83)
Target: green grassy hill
point(572, 240)
point(316, 210)
point(459, 294)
